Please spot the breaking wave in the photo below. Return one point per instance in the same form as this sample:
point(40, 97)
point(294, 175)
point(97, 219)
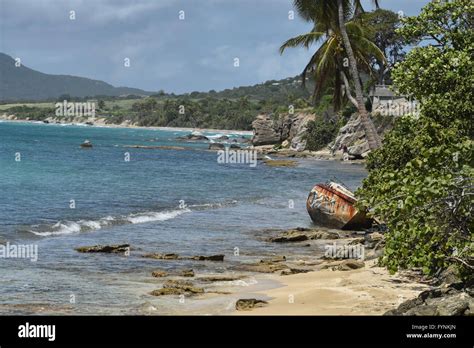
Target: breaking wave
point(69, 227)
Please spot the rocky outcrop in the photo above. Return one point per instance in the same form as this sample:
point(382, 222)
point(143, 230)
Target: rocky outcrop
point(287, 129)
point(159, 256)
point(301, 234)
point(177, 287)
point(159, 273)
point(454, 299)
point(265, 131)
point(245, 304)
point(216, 146)
point(352, 135)
point(208, 258)
point(114, 249)
point(172, 256)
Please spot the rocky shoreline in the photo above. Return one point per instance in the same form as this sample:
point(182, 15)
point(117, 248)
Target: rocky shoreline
point(297, 276)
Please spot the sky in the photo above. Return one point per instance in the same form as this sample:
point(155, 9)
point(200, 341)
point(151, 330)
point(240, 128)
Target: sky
point(166, 49)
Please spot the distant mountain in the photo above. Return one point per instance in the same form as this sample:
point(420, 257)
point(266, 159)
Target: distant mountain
point(22, 83)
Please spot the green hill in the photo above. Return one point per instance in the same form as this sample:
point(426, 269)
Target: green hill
point(22, 83)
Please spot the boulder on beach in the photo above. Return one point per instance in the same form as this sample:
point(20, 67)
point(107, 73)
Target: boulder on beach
point(454, 299)
point(349, 265)
point(245, 304)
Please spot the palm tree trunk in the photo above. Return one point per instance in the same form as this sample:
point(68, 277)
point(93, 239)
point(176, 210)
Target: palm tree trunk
point(369, 127)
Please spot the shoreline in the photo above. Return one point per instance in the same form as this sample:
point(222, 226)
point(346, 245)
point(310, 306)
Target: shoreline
point(3, 118)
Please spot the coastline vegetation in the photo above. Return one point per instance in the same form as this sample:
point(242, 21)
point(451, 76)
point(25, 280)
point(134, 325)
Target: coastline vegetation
point(421, 180)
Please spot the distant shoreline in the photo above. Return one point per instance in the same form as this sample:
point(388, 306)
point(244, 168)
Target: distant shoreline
point(104, 125)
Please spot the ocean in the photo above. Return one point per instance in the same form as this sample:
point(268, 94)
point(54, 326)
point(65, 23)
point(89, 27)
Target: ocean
point(58, 196)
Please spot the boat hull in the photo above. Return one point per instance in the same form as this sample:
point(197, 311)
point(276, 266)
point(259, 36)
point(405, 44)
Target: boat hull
point(332, 208)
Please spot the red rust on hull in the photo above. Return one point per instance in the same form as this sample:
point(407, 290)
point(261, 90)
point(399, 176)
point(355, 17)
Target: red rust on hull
point(332, 205)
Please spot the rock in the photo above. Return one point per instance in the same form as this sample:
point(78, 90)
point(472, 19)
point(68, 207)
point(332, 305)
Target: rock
point(208, 258)
point(222, 138)
point(117, 248)
point(235, 146)
point(246, 304)
point(455, 299)
point(349, 265)
point(182, 273)
point(186, 273)
point(289, 127)
point(193, 137)
point(221, 278)
point(291, 271)
point(159, 256)
point(264, 267)
point(167, 291)
point(280, 163)
point(186, 286)
point(285, 144)
point(290, 236)
point(216, 146)
point(265, 131)
point(450, 275)
point(159, 273)
point(298, 130)
point(273, 259)
point(299, 235)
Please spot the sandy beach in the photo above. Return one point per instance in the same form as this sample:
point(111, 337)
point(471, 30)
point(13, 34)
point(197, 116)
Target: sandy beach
point(370, 290)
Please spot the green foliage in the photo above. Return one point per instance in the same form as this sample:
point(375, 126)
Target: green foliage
point(31, 112)
point(321, 132)
point(421, 180)
point(326, 66)
point(381, 27)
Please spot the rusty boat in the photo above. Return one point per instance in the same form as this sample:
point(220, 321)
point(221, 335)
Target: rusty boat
point(333, 205)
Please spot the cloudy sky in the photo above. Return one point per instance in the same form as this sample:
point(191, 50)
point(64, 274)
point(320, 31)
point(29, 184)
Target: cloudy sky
point(165, 52)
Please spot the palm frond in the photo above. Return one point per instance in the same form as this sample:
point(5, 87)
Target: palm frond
point(305, 40)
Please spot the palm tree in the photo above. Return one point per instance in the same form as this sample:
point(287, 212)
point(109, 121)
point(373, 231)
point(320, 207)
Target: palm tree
point(325, 64)
point(332, 15)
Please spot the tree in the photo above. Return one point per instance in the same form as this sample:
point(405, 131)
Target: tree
point(326, 63)
point(101, 104)
point(381, 27)
point(369, 127)
point(421, 181)
point(332, 15)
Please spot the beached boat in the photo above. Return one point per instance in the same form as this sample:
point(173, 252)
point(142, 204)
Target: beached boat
point(333, 205)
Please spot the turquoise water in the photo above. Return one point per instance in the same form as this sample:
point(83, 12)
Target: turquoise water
point(176, 201)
